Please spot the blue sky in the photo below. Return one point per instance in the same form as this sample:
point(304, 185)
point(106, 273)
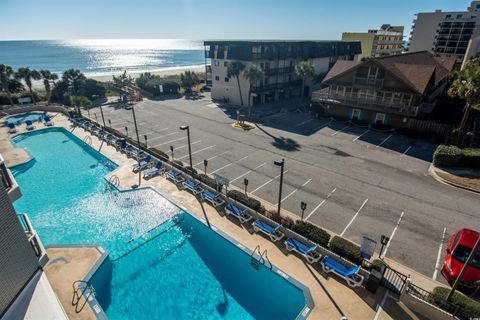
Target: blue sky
point(206, 19)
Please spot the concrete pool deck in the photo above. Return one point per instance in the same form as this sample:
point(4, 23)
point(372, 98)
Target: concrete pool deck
point(332, 297)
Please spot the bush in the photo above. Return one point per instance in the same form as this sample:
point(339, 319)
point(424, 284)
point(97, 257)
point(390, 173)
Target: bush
point(471, 158)
point(346, 249)
point(209, 182)
point(467, 308)
point(252, 203)
point(178, 163)
point(158, 153)
point(378, 265)
point(448, 156)
point(312, 232)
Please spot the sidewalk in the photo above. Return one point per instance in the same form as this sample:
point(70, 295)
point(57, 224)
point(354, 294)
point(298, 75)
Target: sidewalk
point(468, 179)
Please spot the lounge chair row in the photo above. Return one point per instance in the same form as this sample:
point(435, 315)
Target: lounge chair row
point(47, 121)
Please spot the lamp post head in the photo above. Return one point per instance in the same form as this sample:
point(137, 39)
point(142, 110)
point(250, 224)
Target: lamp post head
point(205, 162)
point(384, 239)
point(245, 181)
point(303, 205)
point(171, 148)
point(145, 136)
point(279, 162)
point(183, 128)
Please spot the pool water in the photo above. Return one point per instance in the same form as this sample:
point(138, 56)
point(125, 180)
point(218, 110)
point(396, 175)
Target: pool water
point(22, 118)
point(163, 263)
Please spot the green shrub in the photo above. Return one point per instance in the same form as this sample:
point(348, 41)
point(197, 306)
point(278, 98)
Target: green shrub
point(346, 249)
point(378, 265)
point(471, 158)
point(178, 163)
point(246, 200)
point(467, 308)
point(158, 153)
point(209, 181)
point(448, 156)
point(312, 232)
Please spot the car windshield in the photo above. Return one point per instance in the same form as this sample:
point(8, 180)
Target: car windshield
point(461, 254)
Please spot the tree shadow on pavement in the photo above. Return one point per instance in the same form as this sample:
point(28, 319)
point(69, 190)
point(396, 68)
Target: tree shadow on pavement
point(282, 143)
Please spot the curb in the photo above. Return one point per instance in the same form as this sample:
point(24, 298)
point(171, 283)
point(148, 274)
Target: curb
point(433, 173)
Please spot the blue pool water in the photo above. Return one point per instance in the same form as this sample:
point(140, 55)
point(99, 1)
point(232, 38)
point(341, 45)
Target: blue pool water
point(163, 263)
point(22, 118)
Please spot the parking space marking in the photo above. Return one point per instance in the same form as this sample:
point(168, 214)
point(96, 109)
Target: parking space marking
point(304, 122)
point(306, 182)
point(228, 165)
point(368, 130)
point(338, 131)
point(322, 126)
point(186, 145)
point(320, 204)
point(293, 192)
point(263, 185)
point(393, 233)
point(439, 255)
point(165, 135)
point(243, 175)
point(167, 142)
point(211, 158)
point(206, 148)
point(406, 151)
point(384, 140)
point(356, 214)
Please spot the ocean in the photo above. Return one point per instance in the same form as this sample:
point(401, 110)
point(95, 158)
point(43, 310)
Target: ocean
point(103, 56)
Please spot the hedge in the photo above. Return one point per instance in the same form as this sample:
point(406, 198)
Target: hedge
point(346, 249)
point(467, 307)
point(159, 153)
point(378, 264)
point(246, 200)
point(312, 232)
point(208, 181)
point(471, 158)
point(448, 156)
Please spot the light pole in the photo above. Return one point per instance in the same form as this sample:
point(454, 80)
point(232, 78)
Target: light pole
point(145, 137)
point(205, 163)
point(110, 123)
point(245, 182)
point(103, 118)
point(171, 150)
point(138, 143)
point(303, 206)
point(183, 128)
point(95, 115)
point(281, 164)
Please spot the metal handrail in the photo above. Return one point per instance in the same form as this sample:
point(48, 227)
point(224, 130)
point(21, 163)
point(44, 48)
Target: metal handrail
point(88, 140)
point(265, 254)
point(76, 297)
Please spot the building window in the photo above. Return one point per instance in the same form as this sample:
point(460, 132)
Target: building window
point(216, 63)
point(380, 118)
point(459, 16)
point(227, 79)
point(217, 78)
point(225, 63)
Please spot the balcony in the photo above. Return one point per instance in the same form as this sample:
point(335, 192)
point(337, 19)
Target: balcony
point(8, 182)
point(365, 103)
point(275, 71)
point(33, 238)
point(380, 42)
point(368, 82)
point(274, 86)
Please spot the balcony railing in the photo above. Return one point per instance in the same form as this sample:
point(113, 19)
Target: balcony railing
point(368, 82)
point(32, 236)
point(365, 103)
point(279, 85)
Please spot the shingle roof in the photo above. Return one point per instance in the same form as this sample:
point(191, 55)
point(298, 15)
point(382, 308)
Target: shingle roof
point(415, 69)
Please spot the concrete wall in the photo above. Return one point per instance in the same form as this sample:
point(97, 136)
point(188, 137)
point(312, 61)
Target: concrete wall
point(18, 262)
point(31, 108)
point(425, 309)
point(222, 89)
point(425, 30)
point(366, 40)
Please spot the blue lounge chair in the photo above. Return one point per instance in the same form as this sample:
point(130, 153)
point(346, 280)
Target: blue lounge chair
point(30, 125)
point(157, 169)
point(12, 128)
point(350, 274)
point(242, 215)
point(137, 154)
point(194, 186)
point(308, 251)
point(214, 198)
point(270, 229)
point(47, 121)
point(175, 176)
point(144, 164)
point(125, 147)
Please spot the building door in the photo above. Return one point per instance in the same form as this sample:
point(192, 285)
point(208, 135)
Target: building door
point(380, 118)
point(356, 114)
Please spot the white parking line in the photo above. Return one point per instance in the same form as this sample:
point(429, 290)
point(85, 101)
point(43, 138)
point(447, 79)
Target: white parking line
point(243, 175)
point(304, 122)
point(167, 142)
point(293, 192)
point(338, 131)
point(228, 165)
point(320, 204)
point(322, 126)
point(209, 147)
point(306, 182)
point(406, 151)
point(211, 158)
point(165, 135)
point(437, 263)
point(380, 307)
point(356, 214)
point(384, 140)
point(393, 233)
point(368, 130)
point(263, 185)
point(186, 145)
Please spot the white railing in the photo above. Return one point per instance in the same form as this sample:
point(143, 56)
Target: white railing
point(32, 235)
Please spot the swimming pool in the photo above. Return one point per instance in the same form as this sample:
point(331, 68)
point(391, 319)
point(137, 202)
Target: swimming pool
point(22, 118)
point(163, 262)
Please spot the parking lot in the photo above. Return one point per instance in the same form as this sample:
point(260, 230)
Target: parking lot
point(356, 181)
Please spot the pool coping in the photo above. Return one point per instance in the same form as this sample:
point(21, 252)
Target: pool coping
point(94, 304)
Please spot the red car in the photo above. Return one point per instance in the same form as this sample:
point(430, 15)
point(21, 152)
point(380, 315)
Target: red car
point(458, 251)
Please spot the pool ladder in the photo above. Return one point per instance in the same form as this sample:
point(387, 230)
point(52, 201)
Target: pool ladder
point(262, 259)
point(114, 181)
point(81, 289)
point(88, 140)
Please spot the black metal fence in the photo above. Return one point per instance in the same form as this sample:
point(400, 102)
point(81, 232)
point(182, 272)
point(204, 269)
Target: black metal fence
point(393, 280)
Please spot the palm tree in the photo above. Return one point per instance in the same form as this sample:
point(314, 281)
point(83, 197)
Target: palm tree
point(189, 79)
point(466, 85)
point(6, 73)
point(27, 75)
point(73, 77)
point(304, 70)
point(123, 80)
point(47, 77)
point(234, 69)
point(252, 73)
